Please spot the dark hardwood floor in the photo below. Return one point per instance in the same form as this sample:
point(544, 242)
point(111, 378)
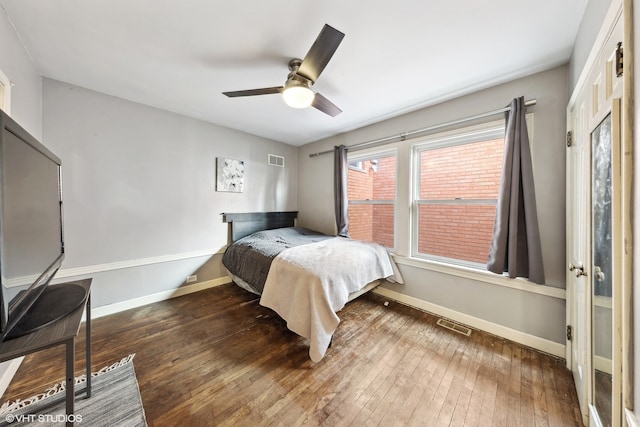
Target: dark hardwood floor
point(217, 357)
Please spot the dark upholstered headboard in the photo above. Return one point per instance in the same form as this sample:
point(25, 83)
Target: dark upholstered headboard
point(243, 224)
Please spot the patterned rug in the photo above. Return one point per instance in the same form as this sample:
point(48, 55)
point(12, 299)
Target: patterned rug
point(115, 401)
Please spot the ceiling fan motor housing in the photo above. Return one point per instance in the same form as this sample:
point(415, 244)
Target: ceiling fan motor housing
point(294, 78)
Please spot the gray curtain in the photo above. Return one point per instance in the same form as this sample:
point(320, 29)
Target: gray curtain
point(515, 248)
point(340, 189)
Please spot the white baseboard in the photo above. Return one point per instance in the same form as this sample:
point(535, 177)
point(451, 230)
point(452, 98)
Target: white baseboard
point(7, 370)
point(523, 338)
point(159, 296)
point(603, 364)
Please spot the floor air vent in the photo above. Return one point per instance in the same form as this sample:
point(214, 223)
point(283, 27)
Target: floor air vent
point(454, 327)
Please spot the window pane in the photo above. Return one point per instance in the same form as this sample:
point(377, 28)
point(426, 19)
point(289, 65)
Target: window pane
point(458, 231)
point(372, 179)
point(469, 171)
point(372, 223)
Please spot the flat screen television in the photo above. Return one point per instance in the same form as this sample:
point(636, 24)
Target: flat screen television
point(31, 234)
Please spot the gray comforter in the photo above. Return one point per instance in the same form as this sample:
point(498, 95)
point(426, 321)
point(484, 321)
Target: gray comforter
point(250, 258)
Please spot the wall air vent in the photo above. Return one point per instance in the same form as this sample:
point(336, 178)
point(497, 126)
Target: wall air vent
point(275, 160)
point(454, 327)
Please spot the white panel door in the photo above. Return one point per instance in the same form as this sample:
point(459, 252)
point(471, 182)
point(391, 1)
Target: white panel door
point(594, 234)
point(578, 316)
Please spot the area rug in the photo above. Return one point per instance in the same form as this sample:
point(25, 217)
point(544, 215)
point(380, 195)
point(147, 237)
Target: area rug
point(115, 401)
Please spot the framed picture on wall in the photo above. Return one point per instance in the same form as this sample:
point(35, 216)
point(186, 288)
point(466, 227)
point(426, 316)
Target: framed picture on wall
point(229, 175)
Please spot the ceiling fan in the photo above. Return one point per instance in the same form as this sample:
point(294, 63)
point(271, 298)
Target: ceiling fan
point(303, 74)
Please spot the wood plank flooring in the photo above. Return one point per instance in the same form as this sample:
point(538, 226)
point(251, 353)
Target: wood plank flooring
point(217, 358)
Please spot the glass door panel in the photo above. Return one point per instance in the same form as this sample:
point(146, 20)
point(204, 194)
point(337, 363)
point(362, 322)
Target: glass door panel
point(602, 268)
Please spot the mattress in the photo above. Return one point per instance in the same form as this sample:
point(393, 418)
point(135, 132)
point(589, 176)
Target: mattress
point(250, 258)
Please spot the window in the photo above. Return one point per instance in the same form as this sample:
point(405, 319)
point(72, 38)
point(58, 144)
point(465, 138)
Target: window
point(371, 191)
point(456, 184)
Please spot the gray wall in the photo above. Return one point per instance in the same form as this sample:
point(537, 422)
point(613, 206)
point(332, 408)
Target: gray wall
point(26, 107)
point(26, 94)
point(139, 185)
point(538, 315)
point(592, 20)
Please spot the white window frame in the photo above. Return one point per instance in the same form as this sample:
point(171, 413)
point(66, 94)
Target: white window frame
point(5, 93)
point(363, 155)
point(461, 136)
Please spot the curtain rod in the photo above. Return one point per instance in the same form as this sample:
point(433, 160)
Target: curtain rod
point(404, 136)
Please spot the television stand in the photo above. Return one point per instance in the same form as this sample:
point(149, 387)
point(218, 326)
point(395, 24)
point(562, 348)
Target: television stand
point(61, 330)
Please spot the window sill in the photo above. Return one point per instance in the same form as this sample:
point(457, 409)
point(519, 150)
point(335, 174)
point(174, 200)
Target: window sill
point(482, 276)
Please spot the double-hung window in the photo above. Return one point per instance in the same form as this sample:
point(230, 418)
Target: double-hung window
point(456, 181)
point(372, 197)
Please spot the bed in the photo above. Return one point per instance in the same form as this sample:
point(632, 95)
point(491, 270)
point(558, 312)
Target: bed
point(303, 275)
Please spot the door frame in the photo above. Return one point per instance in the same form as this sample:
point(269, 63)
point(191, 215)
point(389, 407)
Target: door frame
point(5, 93)
point(618, 9)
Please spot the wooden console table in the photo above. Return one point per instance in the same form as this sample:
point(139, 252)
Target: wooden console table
point(62, 331)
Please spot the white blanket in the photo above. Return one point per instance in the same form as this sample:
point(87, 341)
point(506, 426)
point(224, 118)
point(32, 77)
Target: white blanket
point(308, 284)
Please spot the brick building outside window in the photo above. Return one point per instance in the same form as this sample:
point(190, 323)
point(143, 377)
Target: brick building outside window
point(455, 205)
point(455, 181)
point(372, 196)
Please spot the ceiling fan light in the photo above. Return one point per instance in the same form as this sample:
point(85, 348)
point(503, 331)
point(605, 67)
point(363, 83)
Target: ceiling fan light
point(298, 95)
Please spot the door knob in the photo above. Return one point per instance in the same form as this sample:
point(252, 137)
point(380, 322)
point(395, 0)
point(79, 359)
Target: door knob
point(579, 270)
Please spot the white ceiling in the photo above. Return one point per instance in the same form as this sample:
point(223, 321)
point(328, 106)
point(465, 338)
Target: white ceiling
point(180, 55)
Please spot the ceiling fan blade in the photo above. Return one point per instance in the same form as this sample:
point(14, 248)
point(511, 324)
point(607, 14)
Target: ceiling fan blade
point(320, 53)
point(252, 92)
point(326, 106)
